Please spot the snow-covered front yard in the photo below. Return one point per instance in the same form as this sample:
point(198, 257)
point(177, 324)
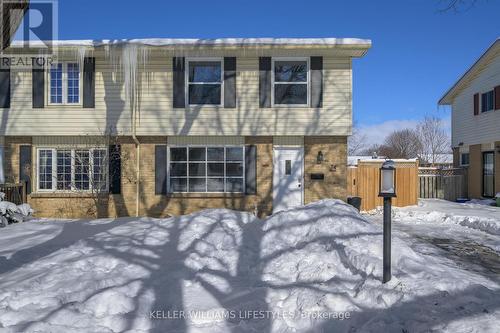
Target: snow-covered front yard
point(312, 269)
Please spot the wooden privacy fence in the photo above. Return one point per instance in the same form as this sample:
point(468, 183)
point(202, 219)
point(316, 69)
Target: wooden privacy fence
point(15, 193)
point(363, 181)
point(447, 184)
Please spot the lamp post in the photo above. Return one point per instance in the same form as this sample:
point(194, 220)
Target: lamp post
point(387, 191)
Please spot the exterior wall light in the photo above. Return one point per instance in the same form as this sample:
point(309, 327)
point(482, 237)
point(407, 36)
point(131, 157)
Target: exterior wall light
point(320, 158)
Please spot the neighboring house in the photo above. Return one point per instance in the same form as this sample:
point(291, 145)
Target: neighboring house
point(443, 161)
point(354, 159)
point(475, 124)
point(171, 126)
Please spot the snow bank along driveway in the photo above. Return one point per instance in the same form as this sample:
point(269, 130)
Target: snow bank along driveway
point(312, 269)
point(471, 215)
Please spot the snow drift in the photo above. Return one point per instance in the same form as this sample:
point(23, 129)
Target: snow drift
point(471, 214)
point(311, 269)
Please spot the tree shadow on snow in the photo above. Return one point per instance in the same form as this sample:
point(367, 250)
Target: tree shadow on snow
point(429, 313)
point(71, 232)
point(173, 261)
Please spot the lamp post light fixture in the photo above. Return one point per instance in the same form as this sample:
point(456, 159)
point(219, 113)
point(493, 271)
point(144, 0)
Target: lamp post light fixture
point(387, 190)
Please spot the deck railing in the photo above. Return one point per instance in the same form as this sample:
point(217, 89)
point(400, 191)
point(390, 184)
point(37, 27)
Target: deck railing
point(15, 193)
point(448, 184)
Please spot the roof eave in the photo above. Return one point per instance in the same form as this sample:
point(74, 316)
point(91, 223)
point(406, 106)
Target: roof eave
point(353, 43)
point(447, 98)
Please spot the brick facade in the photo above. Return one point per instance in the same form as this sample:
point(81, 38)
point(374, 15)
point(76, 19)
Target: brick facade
point(334, 168)
point(73, 205)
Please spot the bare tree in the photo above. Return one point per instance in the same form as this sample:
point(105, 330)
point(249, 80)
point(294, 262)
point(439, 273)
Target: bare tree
point(434, 140)
point(357, 142)
point(456, 6)
point(372, 150)
point(403, 143)
point(86, 167)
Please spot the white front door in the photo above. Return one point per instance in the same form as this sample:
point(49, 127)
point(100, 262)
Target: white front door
point(287, 178)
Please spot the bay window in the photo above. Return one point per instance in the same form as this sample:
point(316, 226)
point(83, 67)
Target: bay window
point(45, 169)
point(290, 82)
point(206, 169)
point(63, 169)
point(204, 82)
point(64, 83)
point(72, 169)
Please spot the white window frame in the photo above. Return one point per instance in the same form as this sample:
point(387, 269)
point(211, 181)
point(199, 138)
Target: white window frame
point(65, 84)
point(308, 81)
point(206, 166)
point(187, 83)
point(54, 169)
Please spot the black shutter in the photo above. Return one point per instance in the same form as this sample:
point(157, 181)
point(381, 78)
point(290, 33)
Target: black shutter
point(38, 84)
point(476, 104)
point(25, 166)
point(89, 82)
point(115, 169)
point(5, 86)
point(316, 82)
point(161, 169)
point(251, 169)
point(229, 82)
point(497, 97)
point(265, 82)
point(179, 96)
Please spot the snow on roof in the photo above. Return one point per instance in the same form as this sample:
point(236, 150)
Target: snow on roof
point(353, 160)
point(447, 97)
point(353, 42)
point(395, 160)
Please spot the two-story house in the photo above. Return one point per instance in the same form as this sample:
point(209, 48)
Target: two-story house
point(475, 123)
point(170, 126)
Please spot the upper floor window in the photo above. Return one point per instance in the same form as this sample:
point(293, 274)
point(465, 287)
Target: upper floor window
point(204, 82)
point(291, 82)
point(64, 87)
point(487, 101)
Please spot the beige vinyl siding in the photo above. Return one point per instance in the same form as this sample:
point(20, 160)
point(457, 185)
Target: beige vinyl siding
point(157, 117)
point(485, 127)
point(288, 141)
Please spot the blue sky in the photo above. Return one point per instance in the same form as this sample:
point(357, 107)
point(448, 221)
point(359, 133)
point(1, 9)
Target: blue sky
point(417, 52)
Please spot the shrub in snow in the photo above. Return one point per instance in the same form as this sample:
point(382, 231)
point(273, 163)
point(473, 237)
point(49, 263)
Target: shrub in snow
point(12, 213)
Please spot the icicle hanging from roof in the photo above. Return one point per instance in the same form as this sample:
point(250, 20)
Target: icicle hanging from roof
point(81, 51)
point(131, 60)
